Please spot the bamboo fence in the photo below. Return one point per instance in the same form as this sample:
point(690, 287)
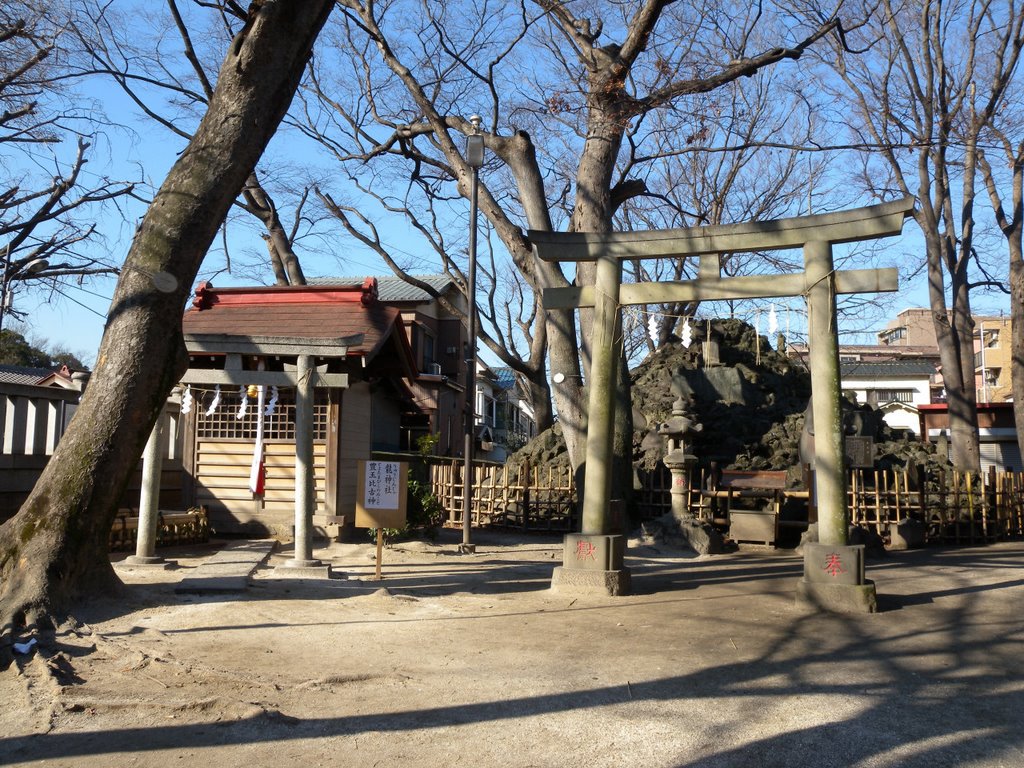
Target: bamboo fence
point(520, 496)
point(955, 507)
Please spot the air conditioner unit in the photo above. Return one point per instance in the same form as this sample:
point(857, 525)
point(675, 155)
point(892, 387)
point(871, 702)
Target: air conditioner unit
point(434, 369)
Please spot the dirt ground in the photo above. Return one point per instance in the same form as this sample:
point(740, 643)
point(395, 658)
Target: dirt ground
point(471, 660)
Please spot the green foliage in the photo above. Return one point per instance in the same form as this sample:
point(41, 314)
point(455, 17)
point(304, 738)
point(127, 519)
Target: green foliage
point(15, 349)
point(426, 444)
point(424, 513)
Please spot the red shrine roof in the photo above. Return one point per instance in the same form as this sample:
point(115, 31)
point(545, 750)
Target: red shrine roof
point(350, 314)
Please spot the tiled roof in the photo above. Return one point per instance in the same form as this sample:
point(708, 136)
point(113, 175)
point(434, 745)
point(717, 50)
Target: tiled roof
point(313, 313)
point(505, 378)
point(886, 369)
point(393, 289)
point(19, 374)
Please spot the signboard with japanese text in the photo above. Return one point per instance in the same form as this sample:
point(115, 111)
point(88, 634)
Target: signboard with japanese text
point(860, 452)
point(381, 494)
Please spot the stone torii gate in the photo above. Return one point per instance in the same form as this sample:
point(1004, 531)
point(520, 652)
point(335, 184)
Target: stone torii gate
point(593, 558)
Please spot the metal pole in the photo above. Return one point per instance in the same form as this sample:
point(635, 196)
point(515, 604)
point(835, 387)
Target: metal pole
point(467, 494)
point(474, 158)
point(984, 373)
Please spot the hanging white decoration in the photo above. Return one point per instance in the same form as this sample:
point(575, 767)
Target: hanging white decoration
point(653, 328)
point(687, 333)
point(243, 405)
point(773, 321)
point(273, 401)
point(216, 401)
point(186, 401)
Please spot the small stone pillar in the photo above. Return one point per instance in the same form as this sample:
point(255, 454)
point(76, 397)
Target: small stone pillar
point(149, 501)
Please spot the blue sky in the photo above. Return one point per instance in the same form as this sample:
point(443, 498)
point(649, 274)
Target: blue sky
point(75, 321)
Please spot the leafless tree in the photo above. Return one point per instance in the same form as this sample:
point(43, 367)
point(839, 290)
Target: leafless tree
point(1004, 98)
point(911, 99)
point(48, 200)
point(56, 547)
point(571, 95)
point(168, 72)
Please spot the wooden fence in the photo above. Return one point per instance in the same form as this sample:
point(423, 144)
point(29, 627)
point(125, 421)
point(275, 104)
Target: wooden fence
point(520, 496)
point(955, 507)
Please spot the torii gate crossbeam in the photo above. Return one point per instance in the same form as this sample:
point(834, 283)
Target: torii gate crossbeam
point(819, 283)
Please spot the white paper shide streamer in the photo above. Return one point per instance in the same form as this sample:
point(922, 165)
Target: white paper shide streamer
point(216, 401)
point(652, 329)
point(186, 401)
point(687, 337)
point(243, 406)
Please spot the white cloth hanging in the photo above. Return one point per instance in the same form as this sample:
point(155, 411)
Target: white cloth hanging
point(256, 468)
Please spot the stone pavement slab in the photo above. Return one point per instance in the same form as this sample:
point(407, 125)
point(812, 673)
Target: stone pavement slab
point(228, 569)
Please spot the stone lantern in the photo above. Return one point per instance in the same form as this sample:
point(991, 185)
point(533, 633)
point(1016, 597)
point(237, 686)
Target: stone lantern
point(677, 459)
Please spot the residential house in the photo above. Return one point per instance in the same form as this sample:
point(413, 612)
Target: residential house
point(896, 387)
point(911, 328)
point(514, 420)
point(437, 336)
point(992, 357)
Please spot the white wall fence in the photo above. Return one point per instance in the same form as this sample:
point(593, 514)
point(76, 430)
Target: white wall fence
point(32, 421)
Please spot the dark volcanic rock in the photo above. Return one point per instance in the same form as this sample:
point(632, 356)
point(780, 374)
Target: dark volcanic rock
point(751, 406)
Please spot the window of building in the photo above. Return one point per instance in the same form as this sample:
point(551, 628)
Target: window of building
point(423, 347)
point(889, 335)
point(891, 395)
point(224, 424)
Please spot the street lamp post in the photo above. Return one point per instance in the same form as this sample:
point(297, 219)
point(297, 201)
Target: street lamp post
point(474, 158)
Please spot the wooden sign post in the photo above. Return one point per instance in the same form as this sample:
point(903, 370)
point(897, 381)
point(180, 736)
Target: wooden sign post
point(381, 498)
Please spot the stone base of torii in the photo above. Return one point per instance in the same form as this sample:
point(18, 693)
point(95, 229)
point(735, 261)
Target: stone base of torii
point(593, 560)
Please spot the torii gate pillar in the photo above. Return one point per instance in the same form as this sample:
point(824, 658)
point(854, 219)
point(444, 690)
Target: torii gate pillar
point(833, 569)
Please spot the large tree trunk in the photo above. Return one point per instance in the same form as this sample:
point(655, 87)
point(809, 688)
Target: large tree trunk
point(960, 397)
point(1017, 340)
point(55, 549)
